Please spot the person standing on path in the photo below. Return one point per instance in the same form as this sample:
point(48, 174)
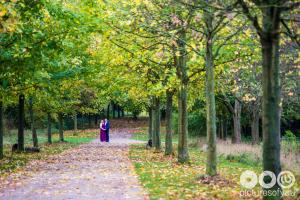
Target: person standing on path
point(102, 131)
point(107, 127)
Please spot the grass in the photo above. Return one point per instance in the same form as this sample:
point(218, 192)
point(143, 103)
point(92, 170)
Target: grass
point(164, 178)
point(14, 162)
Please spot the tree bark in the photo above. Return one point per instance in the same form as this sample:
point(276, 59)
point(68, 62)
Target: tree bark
point(21, 122)
point(168, 141)
point(75, 122)
point(150, 128)
point(211, 165)
point(156, 127)
point(49, 133)
point(107, 112)
point(236, 137)
point(225, 130)
point(33, 129)
point(271, 93)
point(119, 111)
point(255, 127)
point(221, 128)
point(1, 130)
point(96, 119)
point(183, 154)
point(114, 110)
point(90, 120)
point(61, 127)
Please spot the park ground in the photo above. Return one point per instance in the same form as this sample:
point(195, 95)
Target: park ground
point(82, 167)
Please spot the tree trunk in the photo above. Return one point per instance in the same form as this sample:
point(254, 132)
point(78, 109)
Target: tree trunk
point(168, 142)
point(61, 127)
point(221, 128)
point(107, 112)
point(255, 127)
point(96, 120)
point(271, 94)
point(75, 123)
point(119, 111)
point(123, 113)
point(211, 165)
point(236, 137)
point(114, 110)
point(1, 130)
point(21, 122)
point(49, 133)
point(33, 129)
point(183, 154)
point(156, 127)
point(90, 120)
point(150, 128)
point(225, 129)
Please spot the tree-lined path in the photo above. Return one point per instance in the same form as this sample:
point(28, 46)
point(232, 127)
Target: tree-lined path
point(91, 171)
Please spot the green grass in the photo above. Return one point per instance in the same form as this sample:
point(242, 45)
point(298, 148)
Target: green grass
point(16, 161)
point(164, 178)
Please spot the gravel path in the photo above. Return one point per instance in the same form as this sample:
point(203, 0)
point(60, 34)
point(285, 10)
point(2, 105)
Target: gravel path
point(91, 171)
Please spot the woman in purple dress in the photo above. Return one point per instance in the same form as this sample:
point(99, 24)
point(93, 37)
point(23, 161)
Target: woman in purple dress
point(102, 131)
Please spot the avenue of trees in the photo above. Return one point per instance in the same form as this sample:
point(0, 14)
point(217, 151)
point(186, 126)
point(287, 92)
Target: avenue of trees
point(232, 65)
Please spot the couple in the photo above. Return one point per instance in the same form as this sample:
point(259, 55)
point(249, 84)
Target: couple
point(104, 130)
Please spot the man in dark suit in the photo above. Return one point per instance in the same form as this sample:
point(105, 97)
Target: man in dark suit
point(107, 127)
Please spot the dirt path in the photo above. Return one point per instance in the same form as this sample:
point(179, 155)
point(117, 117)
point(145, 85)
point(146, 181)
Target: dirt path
point(91, 171)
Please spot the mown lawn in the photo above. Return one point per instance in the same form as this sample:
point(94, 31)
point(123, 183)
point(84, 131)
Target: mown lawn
point(15, 161)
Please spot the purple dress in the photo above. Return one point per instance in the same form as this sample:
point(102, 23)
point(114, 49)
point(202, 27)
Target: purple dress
point(102, 133)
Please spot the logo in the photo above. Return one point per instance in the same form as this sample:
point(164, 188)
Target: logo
point(286, 179)
point(249, 180)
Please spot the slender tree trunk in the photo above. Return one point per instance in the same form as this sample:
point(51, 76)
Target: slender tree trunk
point(107, 112)
point(183, 154)
point(114, 110)
point(211, 165)
point(156, 127)
point(90, 120)
point(122, 112)
point(119, 111)
point(168, 142)
point(221, 128)
point(150, 128)
point(61, 127)
point(153, 121)
point(96, 119)
point(236, 137)
point(225, 129)
point(33, 129)
point(21, 123)
point(75, 122)
point(271, 94)
point(1, 130)
point(255, 126)
point(49, 133)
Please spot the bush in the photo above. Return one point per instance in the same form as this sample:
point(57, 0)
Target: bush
point(196, 124)
point(245, 158)
point(290, 142)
